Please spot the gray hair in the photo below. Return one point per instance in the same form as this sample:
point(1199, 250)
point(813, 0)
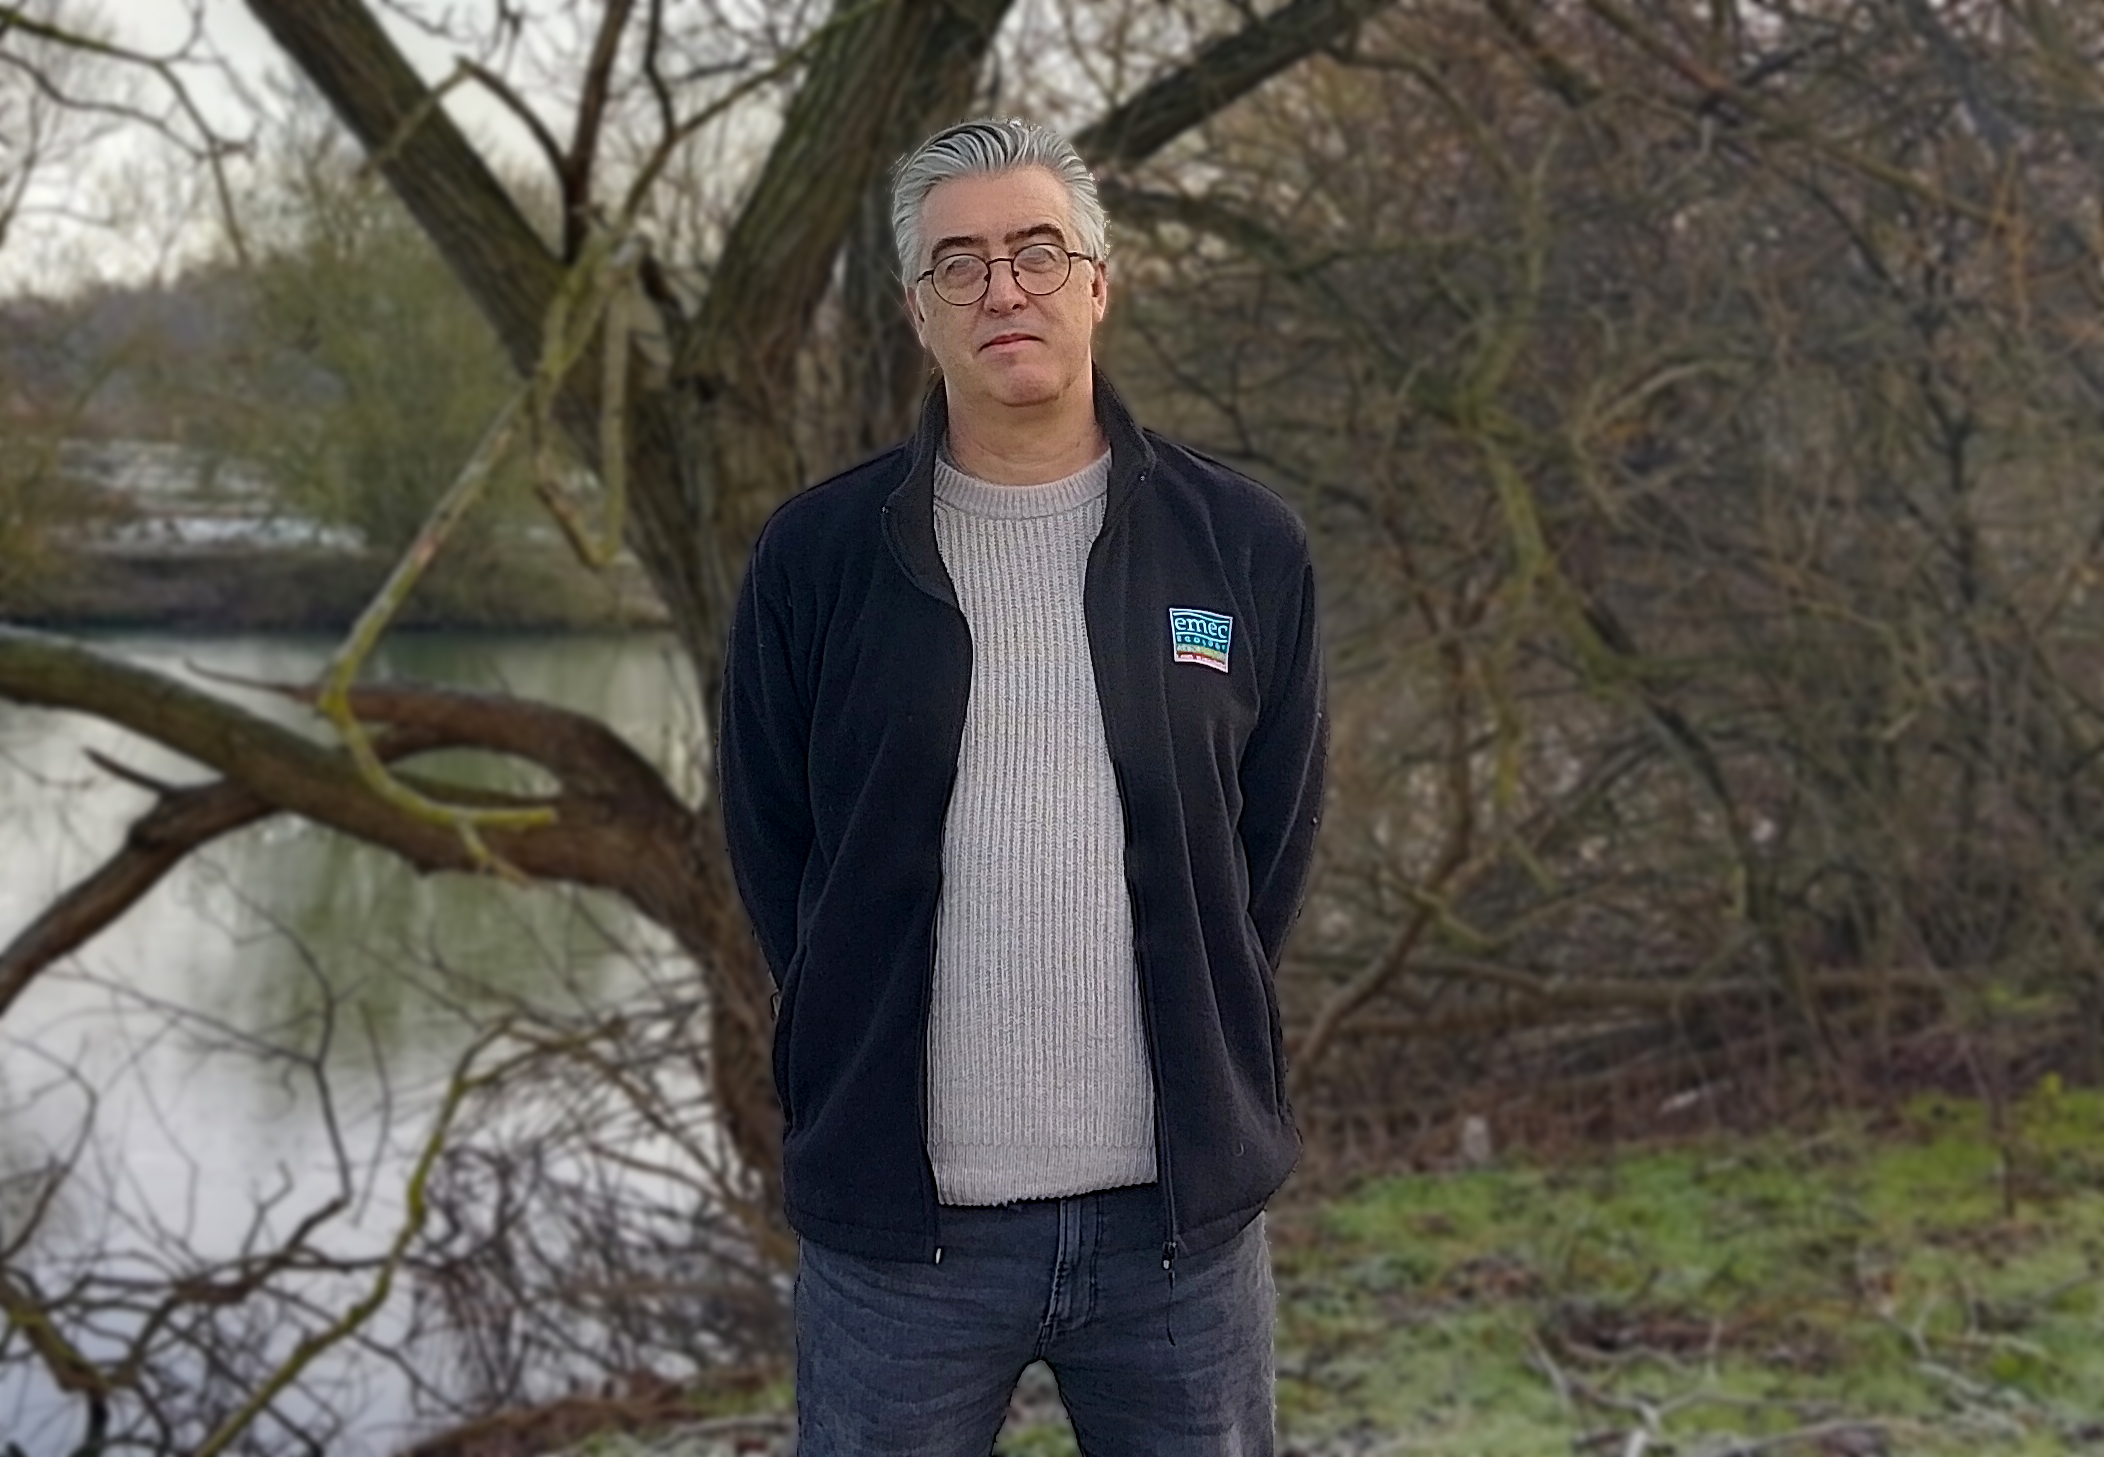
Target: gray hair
point(986, 145)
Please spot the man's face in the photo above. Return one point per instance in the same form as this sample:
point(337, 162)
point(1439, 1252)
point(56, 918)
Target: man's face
point(1010, 348)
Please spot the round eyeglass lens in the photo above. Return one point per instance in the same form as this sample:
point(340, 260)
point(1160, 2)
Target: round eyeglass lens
point(961, 278)
point(1039, 269)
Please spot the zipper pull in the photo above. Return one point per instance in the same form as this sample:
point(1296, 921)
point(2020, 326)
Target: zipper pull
point(938, 1254)
point(1169, 1311)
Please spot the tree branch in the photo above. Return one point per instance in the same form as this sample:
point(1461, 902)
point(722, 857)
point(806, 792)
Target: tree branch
point(183, 820)
point(511, 274)
point(851, 116)
point(1575, 87)
point(466, 1080)
point(618, 826)
point(1220, 74)
point(588, 757)
point(516, 104)
point(591, 115)
point(209, 146)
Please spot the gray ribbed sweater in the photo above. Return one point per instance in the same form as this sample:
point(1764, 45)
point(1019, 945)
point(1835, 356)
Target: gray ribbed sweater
point(1038, 1083)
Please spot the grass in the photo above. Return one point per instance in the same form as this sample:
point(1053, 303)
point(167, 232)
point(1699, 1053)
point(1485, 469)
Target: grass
point(1917, 1286)
point(1855, 1292)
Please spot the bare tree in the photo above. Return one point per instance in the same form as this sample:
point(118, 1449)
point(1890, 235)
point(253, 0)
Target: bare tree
point(689, 418)
point(43, 132)
point(69, 87)
point(1697, 406)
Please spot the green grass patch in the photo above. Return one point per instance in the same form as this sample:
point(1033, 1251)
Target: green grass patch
point(1928, 1287)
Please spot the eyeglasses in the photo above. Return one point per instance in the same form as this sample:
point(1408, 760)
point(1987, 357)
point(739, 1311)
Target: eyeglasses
point(963, 278)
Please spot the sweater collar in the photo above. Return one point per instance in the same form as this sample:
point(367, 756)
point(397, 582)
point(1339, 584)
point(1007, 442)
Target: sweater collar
point(909, 511)
point(967, 495)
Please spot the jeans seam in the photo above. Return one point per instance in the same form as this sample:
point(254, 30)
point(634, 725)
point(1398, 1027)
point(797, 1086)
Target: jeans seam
point(1048, 1327)
point(1088, 1312)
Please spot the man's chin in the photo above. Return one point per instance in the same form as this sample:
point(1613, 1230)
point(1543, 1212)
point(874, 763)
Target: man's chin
point(1024, 390)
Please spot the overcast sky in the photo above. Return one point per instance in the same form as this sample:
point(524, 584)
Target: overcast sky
point(161, 25)
point(56, 247)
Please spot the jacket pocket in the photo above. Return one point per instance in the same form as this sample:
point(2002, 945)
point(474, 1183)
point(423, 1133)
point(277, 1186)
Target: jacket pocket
point(1271, 1008)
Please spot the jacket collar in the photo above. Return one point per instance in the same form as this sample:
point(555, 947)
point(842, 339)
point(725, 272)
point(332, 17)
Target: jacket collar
point(909, 511)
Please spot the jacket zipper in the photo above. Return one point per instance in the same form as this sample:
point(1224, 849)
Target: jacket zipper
point(927, 999)
point(929, 1192)
point(1163, 1164)
point(1154, 1065)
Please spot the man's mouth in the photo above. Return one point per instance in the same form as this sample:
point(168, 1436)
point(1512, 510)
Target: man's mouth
point(1006, 339)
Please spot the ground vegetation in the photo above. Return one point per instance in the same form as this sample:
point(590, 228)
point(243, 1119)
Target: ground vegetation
point(1921, 1281)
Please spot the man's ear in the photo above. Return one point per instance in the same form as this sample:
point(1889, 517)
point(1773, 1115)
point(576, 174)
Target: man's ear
point(914, 315)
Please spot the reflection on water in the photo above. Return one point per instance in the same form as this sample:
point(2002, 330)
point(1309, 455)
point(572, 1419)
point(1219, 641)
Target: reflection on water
point(194, 1027)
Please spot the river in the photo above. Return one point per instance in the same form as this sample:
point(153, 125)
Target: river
point(168, 1051)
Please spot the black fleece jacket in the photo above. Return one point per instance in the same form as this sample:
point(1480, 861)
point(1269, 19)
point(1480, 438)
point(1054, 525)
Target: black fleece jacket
point(844, 698)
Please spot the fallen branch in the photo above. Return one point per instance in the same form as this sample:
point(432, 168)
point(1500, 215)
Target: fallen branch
point(620, 826)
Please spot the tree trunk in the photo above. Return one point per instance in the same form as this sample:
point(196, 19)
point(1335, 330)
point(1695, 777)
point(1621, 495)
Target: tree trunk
point(712, 444)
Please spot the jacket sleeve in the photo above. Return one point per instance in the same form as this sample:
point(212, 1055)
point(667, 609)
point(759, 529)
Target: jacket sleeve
point(762, 750)
point(1282, 767)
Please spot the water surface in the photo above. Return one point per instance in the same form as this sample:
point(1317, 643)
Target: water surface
point(184, 1054)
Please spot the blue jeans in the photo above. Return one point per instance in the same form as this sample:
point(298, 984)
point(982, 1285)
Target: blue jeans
point(903, 1359)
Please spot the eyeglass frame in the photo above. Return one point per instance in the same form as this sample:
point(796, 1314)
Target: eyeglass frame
point(986, 282)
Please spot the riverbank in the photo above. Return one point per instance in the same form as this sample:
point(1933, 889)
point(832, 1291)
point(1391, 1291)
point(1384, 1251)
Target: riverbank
point(1913, 1284)
point(293, 590)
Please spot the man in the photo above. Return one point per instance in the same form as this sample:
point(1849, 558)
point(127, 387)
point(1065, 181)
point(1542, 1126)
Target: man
point(1021, 764)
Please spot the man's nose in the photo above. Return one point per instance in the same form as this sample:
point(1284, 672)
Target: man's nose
point(1003, 292)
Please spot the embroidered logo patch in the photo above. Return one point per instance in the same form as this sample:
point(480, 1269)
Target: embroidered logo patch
point(1200, 637)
